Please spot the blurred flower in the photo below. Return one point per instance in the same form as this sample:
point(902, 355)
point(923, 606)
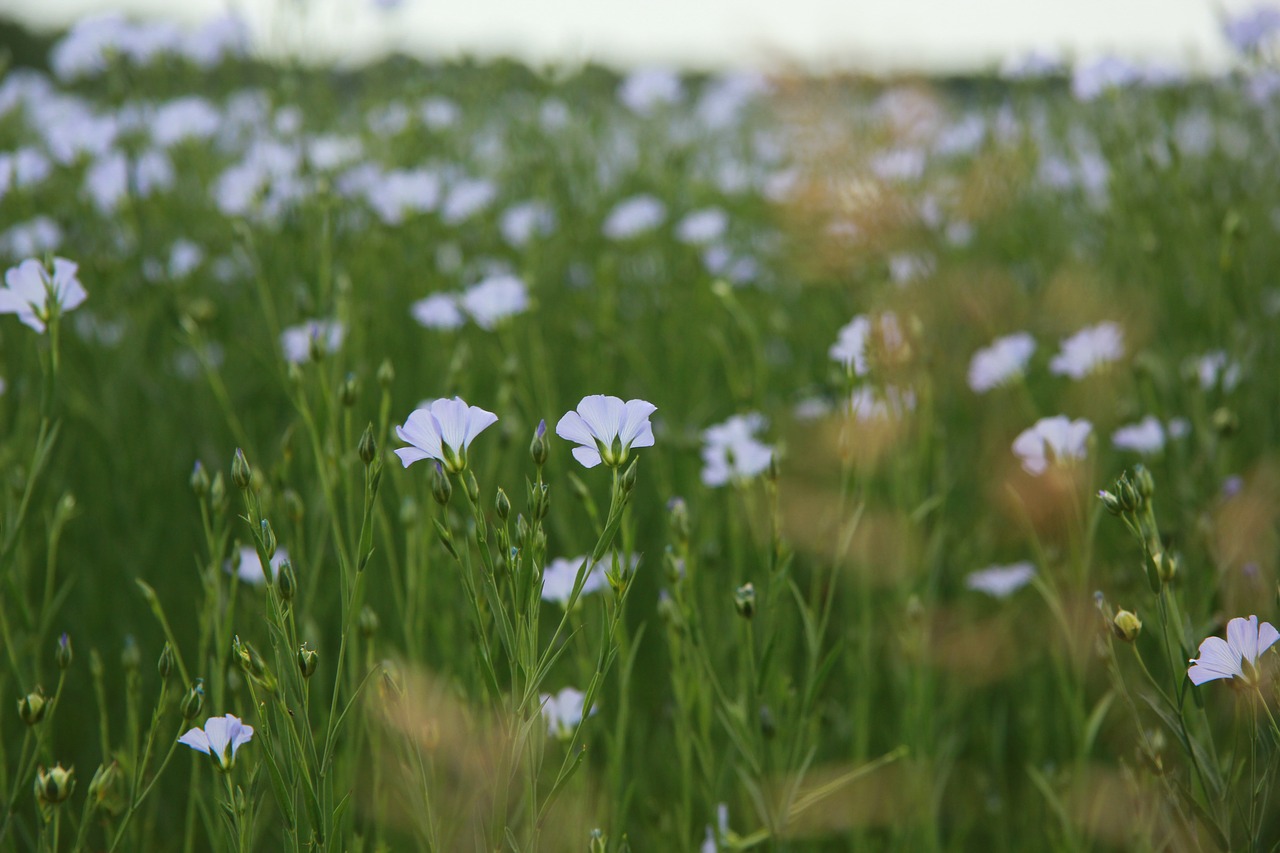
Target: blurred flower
point(710, 844)
point(854, 339)
point(300, 341)
point(1245, 643)
point(494, 299)
point(1145, 437)
point(1251, 30)
point(731, 451)
point(221, 737)
point(1001, 362)
point(249, 567)
point(890, 403)
point(1001, 581)
point(607, 428)
point(563, 711)
point(522, 222)
point(1213, 370)
point(466, 198)
point(443, 431)
point(559, 575)
point(34, 294)
point(634, 216)
point(702, 226)
point(1052, 440)
point(645, 89)
point(1089, 349)
point(438, 311)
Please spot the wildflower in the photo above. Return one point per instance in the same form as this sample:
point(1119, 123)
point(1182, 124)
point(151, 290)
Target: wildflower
point(522, 222)
point(249, 567)
point(1001, 581)
point(494, 299)
point(1126, 625)
point(607, 428)
point(1214, 369)
point(55, 785)
point(702, 226)
point(1056, 439)
point(633, 217)
point(443, 431)
point(854, 340)
point(563, 711)
point(559, 575)
point(1089, 349)
point(1145, 437)
point(1245, 643)
point(645, 89)
point(221, 737)
point(302, 341)
point(36, 295)
point(1252, 29)
point(438, 311)
point(717, 834)
point(732, 452)
point(866, 405)
point(1002, 362)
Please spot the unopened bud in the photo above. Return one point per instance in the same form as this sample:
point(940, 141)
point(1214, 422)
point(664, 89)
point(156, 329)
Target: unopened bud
point(63, 656)
point(54, 786)
point(441, 487)
point(1144, 482)
point(164, 665)
point(1225, 422)
point(32, 707)
point(286, 581)
point(199, 480)
point(107, 789)
point(348, 391)
point(193, 702)
point(218, 492)
point(502, 505)
point(386, 373)
point(131, 656)
point(678, 513)
point(1126, 625)
point(268, 540)
point(368, 447)
point(629, 477)
point(745, 600)
point(241, 473)
point(473, 488)
point(369, 622)
point(1111, 502)
point(538, 447)
point(308, 660)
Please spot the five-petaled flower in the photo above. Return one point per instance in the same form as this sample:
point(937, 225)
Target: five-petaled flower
point(221, 737)
point(607, 428)
point(36, 294)
point(1237, 655)
point(443, 431)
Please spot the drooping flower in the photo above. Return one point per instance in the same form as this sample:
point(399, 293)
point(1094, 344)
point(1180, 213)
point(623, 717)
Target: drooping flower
point(1001, 581)
point(1002, 362)
point(607, 428)
point(221, 737)
point(443, 431)
point(1235, 657)
point(1056, 439)
point(731, 451)
point(35, 294)
point(563, 711)
point(1145, 437)
point(1089, 349)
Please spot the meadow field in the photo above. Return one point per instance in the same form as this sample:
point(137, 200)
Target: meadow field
point(464, 456)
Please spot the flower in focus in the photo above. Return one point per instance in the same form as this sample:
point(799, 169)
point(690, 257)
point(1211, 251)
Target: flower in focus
point(607, 428)
point(731, 450)
point(35, 295)
point(443, 431)
point(1056, 439)
point(563, 711)
point(1245, 643)
point(249, 566)
point(1088, 350)
point(1001, 581)
point(221, 737)
point(305, 340)
point(1145, 437)
point(1000, 363)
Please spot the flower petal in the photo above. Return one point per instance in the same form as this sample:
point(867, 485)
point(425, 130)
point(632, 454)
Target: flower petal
point(196, 739)
point(409, 455)
point(420, 431)
point(573, 428)
point(1242, 636)
point(479, 421)
point(588, 456)
point(1217, 660)
point(219, 734)
point(1267, 635)
point(451, 418)
point(635, 430)
point(603, 416)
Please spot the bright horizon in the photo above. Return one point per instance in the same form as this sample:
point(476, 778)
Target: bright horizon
point(926, 35)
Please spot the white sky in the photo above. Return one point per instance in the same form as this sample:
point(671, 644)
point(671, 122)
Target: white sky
point(867, 34)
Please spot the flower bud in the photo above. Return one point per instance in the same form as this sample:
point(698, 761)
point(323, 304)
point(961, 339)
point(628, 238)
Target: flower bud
point(241, 473)
point(164, 665)
point(131, 656)
point(1130, 500)
point(745, 600)
point(54, 786)
point(1126, 625)
point(599, 842)
point(199, 480)
point(539, 500)
point(1225, 422)
point(1144, 482)
point(218, 492)
point(286, 581)
point(107, 789)
point(502, 505)
point(538, 447)
point(441, 488)
point(368, 447)
point(473, 488)
point(368, 622)
point(1166, 565)
point(629, 477)
point(308, 660)
point(63, 656)
point(348, 390)
point(678, 514)
point(1111, 502)
point(386, 373)
point(193, 702)
point(31, 708)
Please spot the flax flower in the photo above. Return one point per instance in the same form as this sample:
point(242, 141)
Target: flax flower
point(443, 431)
point(1236, 656)
point(607, 428)
point(221, 737)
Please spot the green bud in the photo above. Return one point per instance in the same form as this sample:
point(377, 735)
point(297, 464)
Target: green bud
point(32, 707)
point(218, 492)
point(386, 373)
point(54, 786)
point(348, 391)
point(538, 447)
point(629, 477)
point(1126, 626)
point(1130, 500)
point(63, 656)
point(286, 581)
point(599, 842)
point(241, 473)
point(473, 488)
point(368, 447)
point(131, 656)
point(1166, 565)
point(369, 622)
point(308, 660)
point(673, 566)
point(193, 702)
point(441, 487)
point(1111, 502)
point(268, 542)
point(108, 789)
point(253, 664)
point(1225, 422)
point(164, 665)
point(539, 500)
point(502, 505)
point(199, 481)
point(1144, 482)
point(745, 600)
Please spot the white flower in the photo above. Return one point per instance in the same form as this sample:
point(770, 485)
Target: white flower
point(1245, 643)
point(719, 833)
point(889, 404)
point(221, 737)
point(607, 428)
point(633, 217)
point(1002, 362)
point(301, 341)
point(854, 339)
point(1089, 349)
point(563, 711)
point(249, 566)
point(443, 431)
point(35, 294)
point(494, 299)
point(731, 450)
point(646, 88)
point(702, 226)
point(520, 223)
point(559, 576)
point(1145, 437)
point(438, 311)
point(1001, 581)
point(1214, 369)
point(1056, 439)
